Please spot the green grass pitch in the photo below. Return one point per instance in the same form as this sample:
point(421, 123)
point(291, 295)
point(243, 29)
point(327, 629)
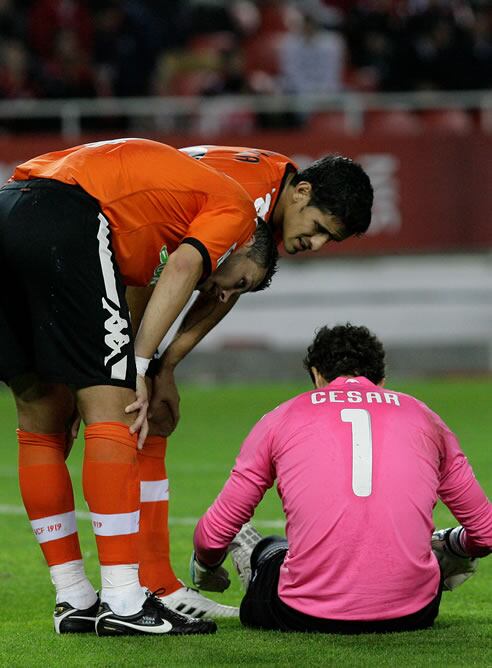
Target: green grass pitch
point(200, 455)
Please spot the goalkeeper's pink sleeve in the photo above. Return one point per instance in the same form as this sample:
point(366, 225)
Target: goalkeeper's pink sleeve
point(464, 497)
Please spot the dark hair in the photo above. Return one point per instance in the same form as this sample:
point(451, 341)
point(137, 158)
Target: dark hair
point(346, 350)
point(341, 187)
point(264, 253)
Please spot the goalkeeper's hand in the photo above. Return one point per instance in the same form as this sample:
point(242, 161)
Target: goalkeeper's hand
point(456, 566)
point(209, 578)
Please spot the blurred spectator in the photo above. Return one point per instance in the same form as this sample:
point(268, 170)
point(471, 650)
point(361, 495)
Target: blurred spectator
point(444, 57)
point(311, 59)
point(231, 76)
point(17, 79)
point(214, 47)
point(47, 17)
point(12, 25)
point(126, 46)
point(372, 37)
point(68, 73)
point(481, 36)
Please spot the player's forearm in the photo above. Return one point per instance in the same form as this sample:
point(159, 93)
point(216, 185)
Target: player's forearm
point(233, 507)
point(464, 497)
point(205, 313)
point(253, 473)
point(477, 534)
point(171, 293)
point(137, 300)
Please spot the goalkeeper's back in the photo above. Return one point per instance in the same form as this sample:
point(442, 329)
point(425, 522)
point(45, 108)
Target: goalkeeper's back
point(359, 469)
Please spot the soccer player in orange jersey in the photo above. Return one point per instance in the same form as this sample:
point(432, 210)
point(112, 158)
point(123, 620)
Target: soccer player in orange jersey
point(76, 228)
point(326, 202)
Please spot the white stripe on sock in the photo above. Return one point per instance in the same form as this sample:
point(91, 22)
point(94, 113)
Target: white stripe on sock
point(7, 509)
point(154, 490)
point(117, 524)
point(54, 527)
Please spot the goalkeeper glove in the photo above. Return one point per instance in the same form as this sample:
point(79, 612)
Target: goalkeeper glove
point(456, 566)
point(209, 578)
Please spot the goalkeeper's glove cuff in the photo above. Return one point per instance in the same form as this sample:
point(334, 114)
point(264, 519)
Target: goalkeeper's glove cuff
point(210, 578)
point(453, 539)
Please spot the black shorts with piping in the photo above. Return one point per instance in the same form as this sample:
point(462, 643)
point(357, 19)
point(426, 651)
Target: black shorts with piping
point(63, 313)
point(262, 607)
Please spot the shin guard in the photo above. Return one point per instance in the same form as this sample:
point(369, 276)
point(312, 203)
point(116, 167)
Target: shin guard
point(111, 489)
point(155, 570)
point(47, 493)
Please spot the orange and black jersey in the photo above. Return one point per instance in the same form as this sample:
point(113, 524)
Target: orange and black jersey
point(155, 198)
point(261, 173)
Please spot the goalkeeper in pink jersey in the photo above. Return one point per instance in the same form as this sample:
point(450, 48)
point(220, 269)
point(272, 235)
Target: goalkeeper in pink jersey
point(359, 469)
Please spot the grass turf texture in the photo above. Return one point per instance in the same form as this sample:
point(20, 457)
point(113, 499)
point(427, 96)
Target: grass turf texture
point(200, 456)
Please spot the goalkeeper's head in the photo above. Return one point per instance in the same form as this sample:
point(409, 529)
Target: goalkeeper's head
point(345, 350)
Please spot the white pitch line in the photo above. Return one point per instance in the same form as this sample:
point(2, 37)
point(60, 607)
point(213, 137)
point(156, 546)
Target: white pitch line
point(176, 521)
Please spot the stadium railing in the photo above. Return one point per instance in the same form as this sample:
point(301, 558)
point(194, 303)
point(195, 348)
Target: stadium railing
point(181, 113)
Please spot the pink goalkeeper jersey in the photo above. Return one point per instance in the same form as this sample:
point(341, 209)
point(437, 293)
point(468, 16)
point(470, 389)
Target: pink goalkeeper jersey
point(359, 469)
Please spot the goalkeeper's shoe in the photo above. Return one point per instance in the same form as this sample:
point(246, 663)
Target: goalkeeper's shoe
point(240, 549)
point(191, 602)
point(456, 566)
point(154, 618)
point(68, 619)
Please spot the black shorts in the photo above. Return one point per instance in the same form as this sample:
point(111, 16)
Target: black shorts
point(63, 312)
point(262, 607)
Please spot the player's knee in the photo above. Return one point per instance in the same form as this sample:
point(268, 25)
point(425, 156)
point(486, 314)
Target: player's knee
point(42, 407)
point(28, 388)
point(105, 403)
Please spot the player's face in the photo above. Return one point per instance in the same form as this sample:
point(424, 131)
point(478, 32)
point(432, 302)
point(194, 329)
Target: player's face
point(238, 274)
point(305, 227)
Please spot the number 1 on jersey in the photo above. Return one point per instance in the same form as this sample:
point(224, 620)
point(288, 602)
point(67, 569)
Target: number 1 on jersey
point(361, 449)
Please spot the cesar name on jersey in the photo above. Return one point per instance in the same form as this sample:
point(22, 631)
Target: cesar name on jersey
point(354, 397)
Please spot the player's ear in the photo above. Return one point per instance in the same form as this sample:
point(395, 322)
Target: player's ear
point(319, 381)
point(250, 242)
point(302, 190)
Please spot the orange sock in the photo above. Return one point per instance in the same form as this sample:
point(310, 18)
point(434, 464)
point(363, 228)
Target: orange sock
point(155, 570)
point(47, 493)
point(111, 489)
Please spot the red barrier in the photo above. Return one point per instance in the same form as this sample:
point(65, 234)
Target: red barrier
point(432, 191)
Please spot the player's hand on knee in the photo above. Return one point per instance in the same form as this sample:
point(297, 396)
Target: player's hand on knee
point(456, 566)
point(208, 578)
point(162, 421)
point(164, 405)
point(140, 406)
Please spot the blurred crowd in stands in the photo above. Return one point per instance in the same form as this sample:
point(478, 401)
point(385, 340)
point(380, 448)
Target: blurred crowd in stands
point(89, 48)
point(63, 49)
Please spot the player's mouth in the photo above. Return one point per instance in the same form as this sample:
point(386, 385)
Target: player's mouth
point(210, 289)
point(301, 244)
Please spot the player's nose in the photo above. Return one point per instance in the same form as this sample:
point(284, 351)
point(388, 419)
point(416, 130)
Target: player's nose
point(318, 241)
point(225, 294)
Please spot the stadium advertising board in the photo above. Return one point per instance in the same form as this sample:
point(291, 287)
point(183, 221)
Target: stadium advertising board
point(431, 189)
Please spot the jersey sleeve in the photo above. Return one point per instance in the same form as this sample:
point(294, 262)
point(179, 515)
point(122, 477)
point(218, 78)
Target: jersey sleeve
point(461, 493)
point(252, 475)
point(221, 228)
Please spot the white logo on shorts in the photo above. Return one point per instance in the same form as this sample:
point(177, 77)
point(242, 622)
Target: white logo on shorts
point(114, 325)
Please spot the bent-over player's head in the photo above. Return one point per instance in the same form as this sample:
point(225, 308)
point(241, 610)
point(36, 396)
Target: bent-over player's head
point(249, 269)
point(330, 200)
point(346, 350)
